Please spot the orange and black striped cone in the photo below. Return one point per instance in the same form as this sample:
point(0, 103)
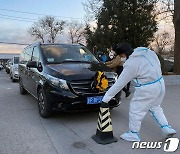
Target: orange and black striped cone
point(104, 133)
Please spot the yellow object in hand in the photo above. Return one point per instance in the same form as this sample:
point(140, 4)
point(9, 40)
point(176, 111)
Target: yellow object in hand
point(102, 82)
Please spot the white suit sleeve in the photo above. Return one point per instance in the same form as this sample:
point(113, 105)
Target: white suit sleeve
point(129, 72)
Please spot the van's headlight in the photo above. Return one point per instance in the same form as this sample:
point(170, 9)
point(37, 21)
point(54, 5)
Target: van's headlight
point(58, 82)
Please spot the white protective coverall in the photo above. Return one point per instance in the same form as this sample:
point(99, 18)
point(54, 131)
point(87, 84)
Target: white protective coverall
point(143, 66)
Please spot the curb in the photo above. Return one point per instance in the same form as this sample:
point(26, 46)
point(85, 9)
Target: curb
point(172, 80)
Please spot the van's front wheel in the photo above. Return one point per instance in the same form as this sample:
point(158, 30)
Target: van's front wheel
point(43, 106)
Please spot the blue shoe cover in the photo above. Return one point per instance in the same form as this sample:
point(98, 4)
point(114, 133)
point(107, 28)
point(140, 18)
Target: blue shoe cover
point(131, 136)
point(168, 131)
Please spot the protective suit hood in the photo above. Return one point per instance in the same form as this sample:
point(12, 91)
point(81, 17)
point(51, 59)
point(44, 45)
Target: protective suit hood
point(139, 51)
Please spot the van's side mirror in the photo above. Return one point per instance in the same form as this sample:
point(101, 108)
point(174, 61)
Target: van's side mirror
point(32, 64)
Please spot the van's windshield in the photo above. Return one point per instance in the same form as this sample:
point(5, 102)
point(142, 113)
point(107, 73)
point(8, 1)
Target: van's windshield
point(67, 53)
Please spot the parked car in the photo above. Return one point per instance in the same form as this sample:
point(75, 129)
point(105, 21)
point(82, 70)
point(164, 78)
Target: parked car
point(168, 65)
point(7, 67)
point(60, 77)
point(1, 67)
point(14, 74)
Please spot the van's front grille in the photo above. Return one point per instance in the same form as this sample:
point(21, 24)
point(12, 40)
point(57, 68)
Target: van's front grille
point(84, 86)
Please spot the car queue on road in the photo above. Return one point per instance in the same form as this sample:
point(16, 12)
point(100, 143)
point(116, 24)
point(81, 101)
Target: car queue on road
point(11, 68)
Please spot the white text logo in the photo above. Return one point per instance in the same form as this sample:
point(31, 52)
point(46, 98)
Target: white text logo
point(170, 145)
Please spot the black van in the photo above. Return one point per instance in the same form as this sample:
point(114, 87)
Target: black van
point(60, 77)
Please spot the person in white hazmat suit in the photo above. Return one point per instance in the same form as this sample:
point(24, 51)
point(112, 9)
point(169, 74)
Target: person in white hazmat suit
point(141, 65)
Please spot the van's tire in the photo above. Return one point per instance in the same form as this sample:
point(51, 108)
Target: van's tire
point(44, 108)
point(21, 88)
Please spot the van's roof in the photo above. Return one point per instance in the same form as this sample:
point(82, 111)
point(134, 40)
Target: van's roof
point(39, 43)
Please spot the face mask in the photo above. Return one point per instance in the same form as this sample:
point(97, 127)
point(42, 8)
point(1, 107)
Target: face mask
point(123, 59)
point(111, 54)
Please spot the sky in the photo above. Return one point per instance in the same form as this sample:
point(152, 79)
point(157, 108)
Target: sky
point(16, 16)
point(12, 30)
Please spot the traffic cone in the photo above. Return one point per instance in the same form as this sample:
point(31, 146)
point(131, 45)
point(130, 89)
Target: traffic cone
point(104, 133)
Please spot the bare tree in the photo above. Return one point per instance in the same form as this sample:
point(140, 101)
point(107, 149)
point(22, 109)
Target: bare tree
point(46, 28)
point(163, 43)
point(92, 8)
point(164, 10)
point(37, 32)
point(170, 10)
point(177, 36)
point(76, 31)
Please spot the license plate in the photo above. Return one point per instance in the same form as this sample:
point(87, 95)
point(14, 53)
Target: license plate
point(94, 100)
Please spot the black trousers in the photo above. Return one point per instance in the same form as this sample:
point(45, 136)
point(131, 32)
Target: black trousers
point(126, 88)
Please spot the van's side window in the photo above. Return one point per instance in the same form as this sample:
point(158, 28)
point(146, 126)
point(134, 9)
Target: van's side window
point(28, 54)
point(35, 56)
point(22, 57)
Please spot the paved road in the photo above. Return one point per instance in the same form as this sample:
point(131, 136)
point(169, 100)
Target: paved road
point(22, 131)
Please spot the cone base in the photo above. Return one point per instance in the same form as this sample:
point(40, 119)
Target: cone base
point(99, 140)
